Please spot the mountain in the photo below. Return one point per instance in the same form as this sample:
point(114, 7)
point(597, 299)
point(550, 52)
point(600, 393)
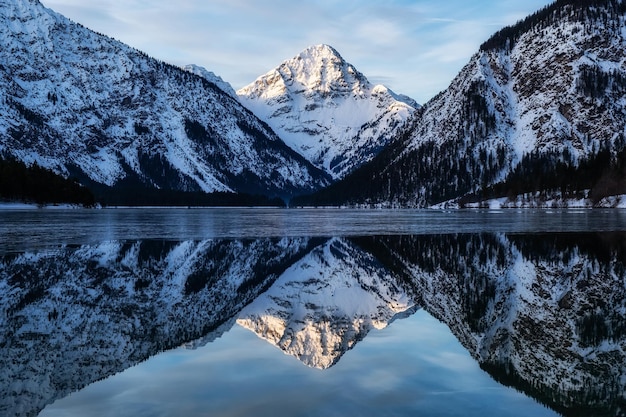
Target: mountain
point(327, 111)
point(89, 107)
point(538, 115)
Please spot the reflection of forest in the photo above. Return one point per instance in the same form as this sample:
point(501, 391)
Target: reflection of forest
point(544, 313)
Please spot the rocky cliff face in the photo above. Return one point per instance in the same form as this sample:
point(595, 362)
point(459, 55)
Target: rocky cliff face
point(88, 106)
point(327, 111)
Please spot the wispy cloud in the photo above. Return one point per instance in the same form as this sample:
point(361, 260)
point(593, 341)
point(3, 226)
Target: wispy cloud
point(417, 45)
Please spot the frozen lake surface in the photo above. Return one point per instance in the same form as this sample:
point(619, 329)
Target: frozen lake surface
point(27, 229)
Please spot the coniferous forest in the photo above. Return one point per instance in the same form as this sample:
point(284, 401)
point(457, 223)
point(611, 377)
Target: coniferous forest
point(35, 184)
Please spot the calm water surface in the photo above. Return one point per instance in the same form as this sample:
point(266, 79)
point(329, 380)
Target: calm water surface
point(259, 312)
point(28, 229)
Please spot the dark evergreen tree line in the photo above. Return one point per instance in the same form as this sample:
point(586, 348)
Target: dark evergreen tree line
point(19, 182)
point(476, 110)
point(603, 173)
point(437, 172)
point(35, 184)
point(136, 196)
point(596, 83)
point(579, 10)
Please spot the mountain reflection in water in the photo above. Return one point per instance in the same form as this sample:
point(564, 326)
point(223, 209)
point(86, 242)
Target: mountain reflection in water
point(544, 313)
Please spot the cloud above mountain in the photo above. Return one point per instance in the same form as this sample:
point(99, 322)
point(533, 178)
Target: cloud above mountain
point(416, 47)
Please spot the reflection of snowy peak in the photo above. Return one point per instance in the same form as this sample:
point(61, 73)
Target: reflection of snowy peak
point(542, 312)
point(326, 110)
point(325, 303)
point(86, 105)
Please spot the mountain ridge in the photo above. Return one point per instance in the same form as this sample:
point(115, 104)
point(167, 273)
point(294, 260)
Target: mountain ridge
point(531, 120)
point(326, 110)
point(212, 78)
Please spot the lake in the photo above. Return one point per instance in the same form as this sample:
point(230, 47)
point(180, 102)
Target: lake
point(312, 312)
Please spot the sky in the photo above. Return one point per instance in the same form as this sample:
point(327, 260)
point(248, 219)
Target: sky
point(414, 47)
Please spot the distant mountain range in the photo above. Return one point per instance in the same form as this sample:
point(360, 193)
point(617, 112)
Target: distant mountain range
point(536, 118)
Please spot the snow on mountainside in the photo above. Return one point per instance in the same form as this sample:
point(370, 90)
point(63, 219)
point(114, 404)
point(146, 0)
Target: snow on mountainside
point(326, 110)
point(325, 303)
point(89, 106)
point(211, 77)
point(540, 109)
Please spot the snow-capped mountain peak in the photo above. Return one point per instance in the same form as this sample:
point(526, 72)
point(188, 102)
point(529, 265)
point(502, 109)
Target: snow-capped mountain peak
point(326, 110)
point(318, 70)
point(536, 118)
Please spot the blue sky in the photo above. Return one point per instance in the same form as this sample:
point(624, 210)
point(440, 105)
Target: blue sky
point(414, 47)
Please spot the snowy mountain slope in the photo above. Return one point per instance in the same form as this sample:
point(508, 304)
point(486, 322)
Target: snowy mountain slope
point(326, 110)
point(211, 77)
point(74, 315)
point(325, 303)
point(88, 106)
point(540, 108)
